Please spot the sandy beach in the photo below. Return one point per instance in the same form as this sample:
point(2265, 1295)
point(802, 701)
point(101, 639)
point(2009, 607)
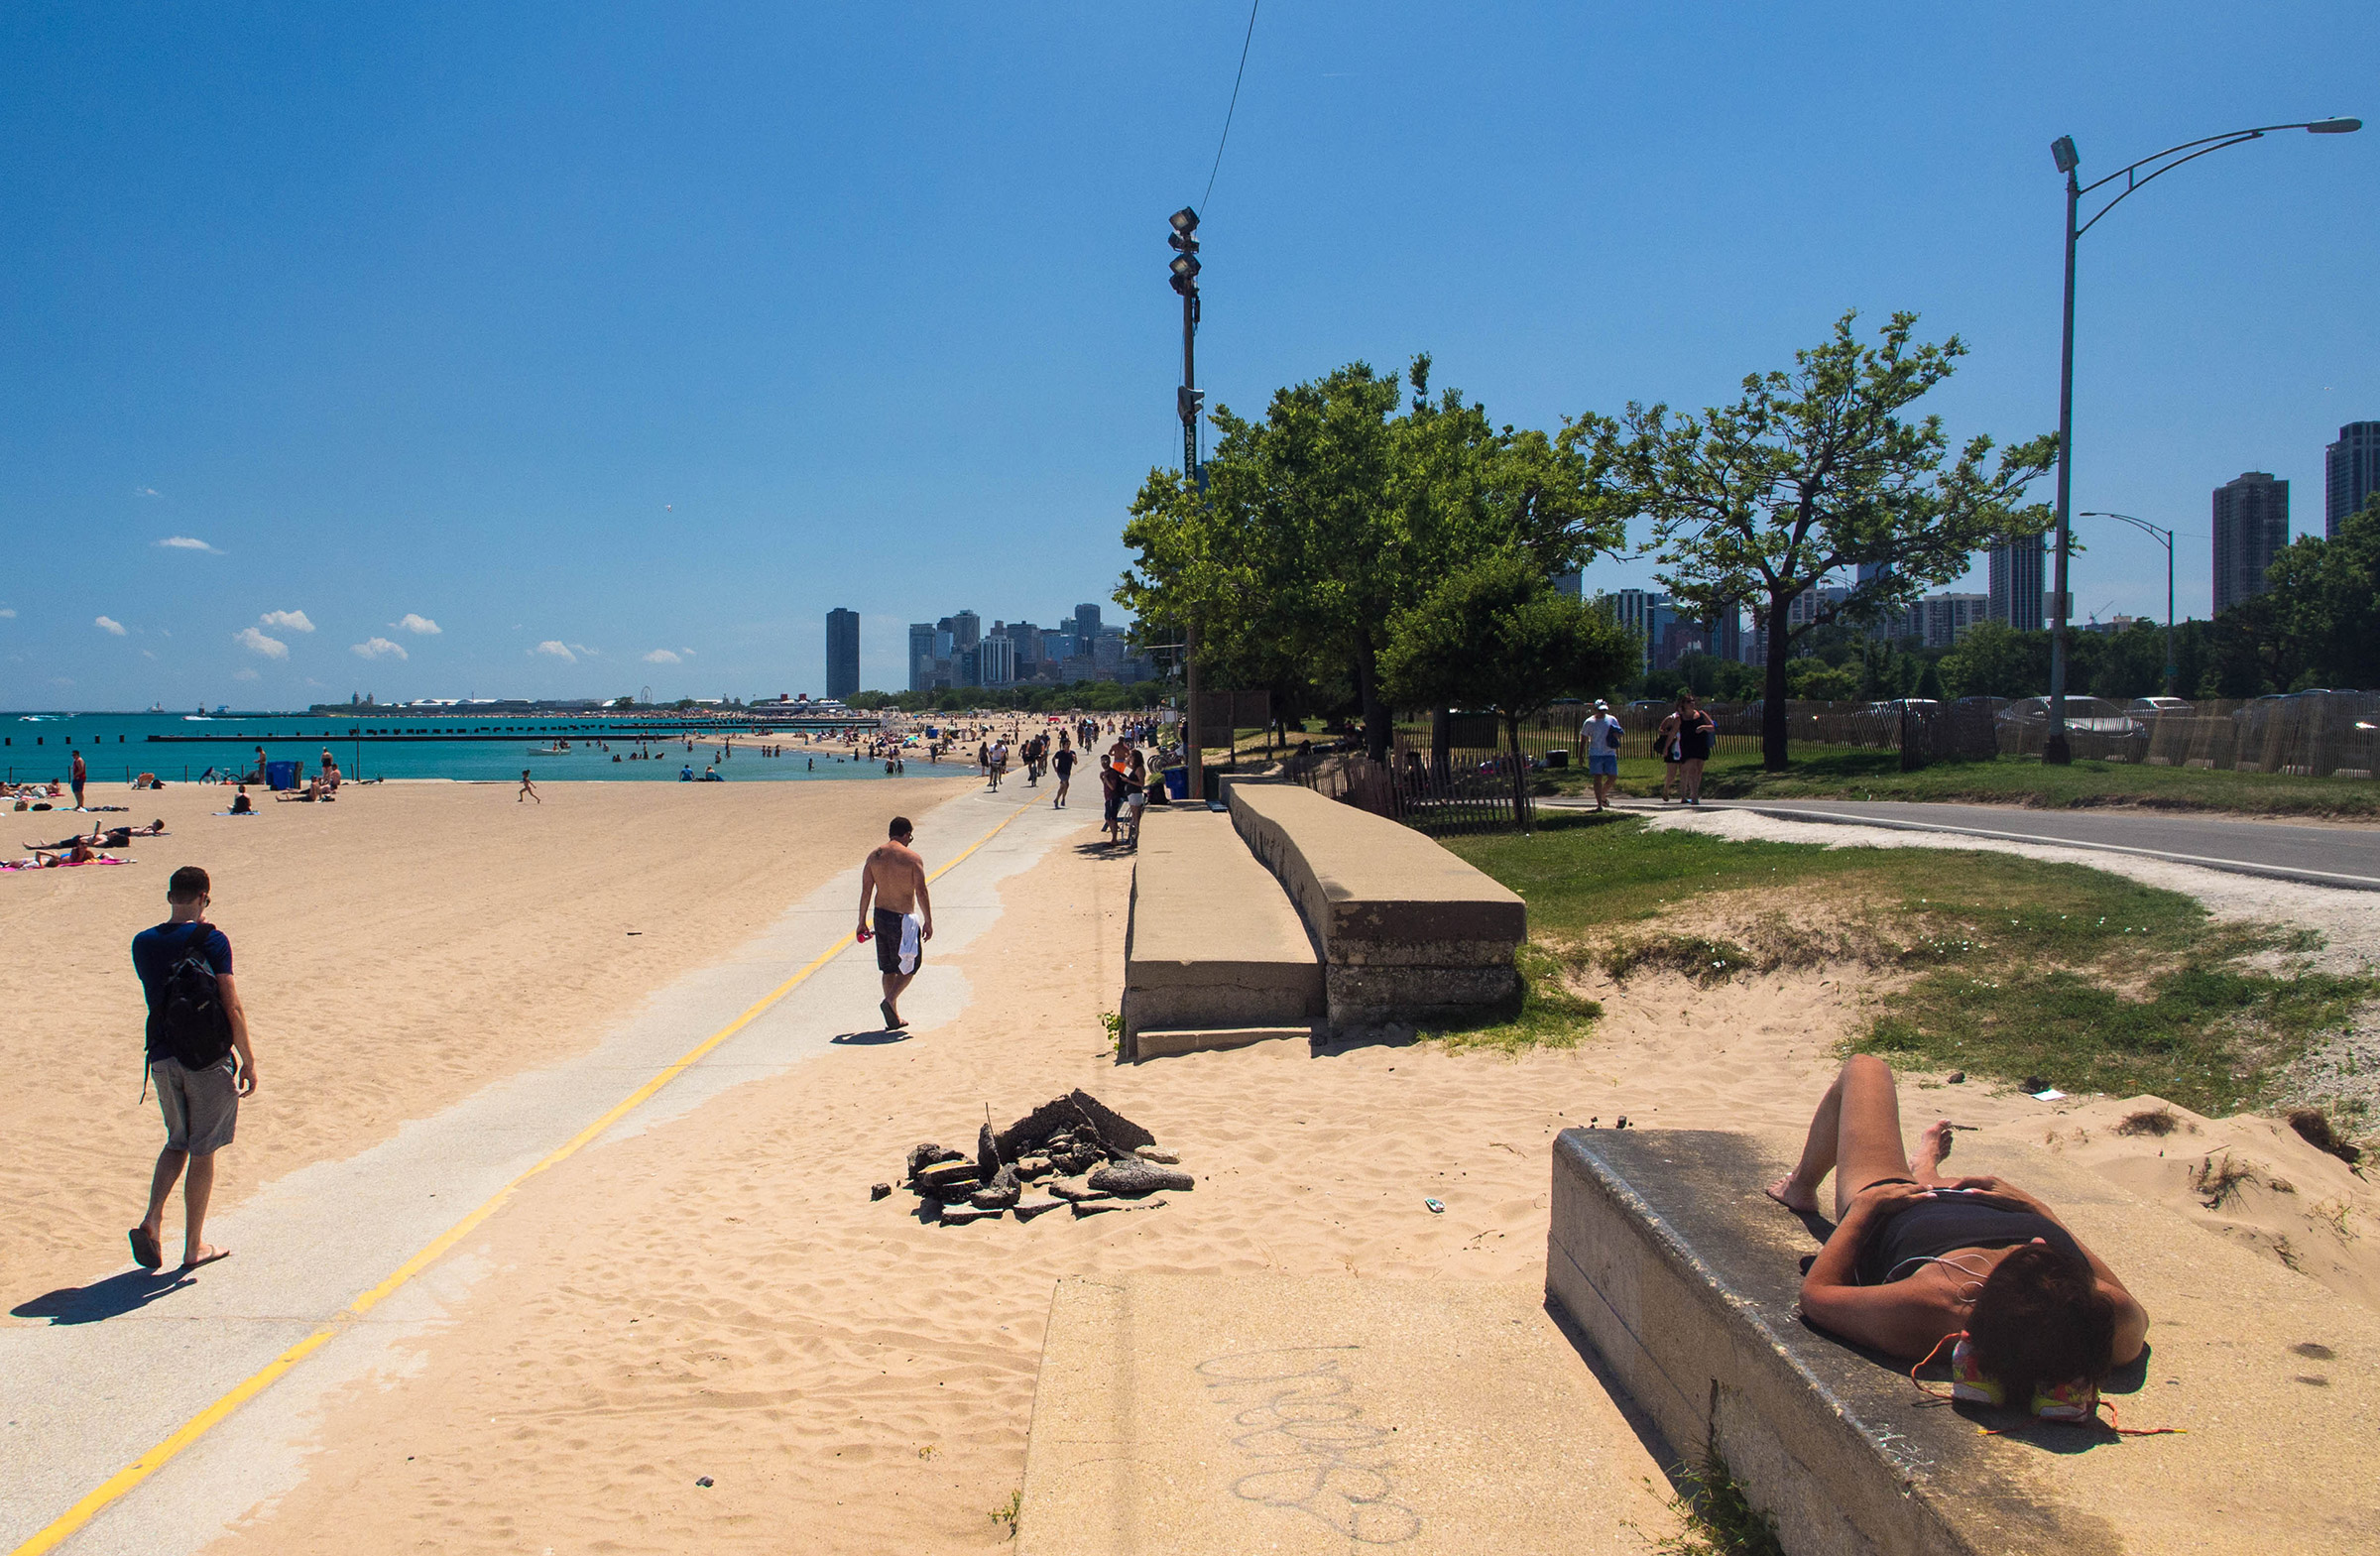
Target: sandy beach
point(720, 1297)
point(716, 1295)
point(396, 950)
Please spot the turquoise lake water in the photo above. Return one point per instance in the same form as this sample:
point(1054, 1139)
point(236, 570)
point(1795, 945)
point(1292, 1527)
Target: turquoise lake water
point(417, 744)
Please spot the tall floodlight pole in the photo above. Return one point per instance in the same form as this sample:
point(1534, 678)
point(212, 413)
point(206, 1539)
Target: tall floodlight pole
point(1187, 400)
point(2062, 149)
point(2164, 538)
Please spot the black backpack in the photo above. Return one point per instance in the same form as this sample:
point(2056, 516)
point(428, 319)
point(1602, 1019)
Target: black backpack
point(191, 1016)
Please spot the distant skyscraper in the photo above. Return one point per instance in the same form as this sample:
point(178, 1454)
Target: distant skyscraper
point(842, 654)
point(966, 630)
point(921, 656)
point(1086, 622)
point(1939, 620)
point(1644, 613)
point(2251, 524)
point(996, 661)
point(2015, 571)
point(1572, 584)
point(2351, 473)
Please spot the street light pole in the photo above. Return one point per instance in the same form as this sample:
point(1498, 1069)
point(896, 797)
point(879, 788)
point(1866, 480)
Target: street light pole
point(1187, 400)
point(2055, 748)
point(2164, 538)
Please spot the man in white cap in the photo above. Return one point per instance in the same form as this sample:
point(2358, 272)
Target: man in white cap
point(1600, 735)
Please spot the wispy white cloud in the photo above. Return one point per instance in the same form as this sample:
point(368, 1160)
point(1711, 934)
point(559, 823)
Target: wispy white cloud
point(187, 542)
point(108, 624)
point(8, 612)
point(559, 649)
point(147, 654)
point(593, 653)
point(295, 621)
point(243, 675)
point(420, 625)
point(144, 491)
point(257, 642)
point(686, 653)
point(661, 656)
point(379, 649)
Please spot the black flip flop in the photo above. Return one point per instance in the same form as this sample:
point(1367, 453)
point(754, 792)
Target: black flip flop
point(892, 1021)
point(144, 1251)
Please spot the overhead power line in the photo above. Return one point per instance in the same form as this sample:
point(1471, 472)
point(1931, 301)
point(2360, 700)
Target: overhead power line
point(1224, 138)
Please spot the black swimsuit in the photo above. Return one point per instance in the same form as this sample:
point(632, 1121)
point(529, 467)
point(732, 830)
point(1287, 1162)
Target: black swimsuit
point(1929, 1228)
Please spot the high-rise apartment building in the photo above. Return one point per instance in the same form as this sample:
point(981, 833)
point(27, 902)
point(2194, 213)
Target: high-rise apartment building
point(1086, 622)
point(1939, 620)
point(1643, 613)
point(842, 654)
point(2351, 473)
point(2015, 571)
point(996, 661)
point(966, 630)
point(2251, 524)
point(921, 656)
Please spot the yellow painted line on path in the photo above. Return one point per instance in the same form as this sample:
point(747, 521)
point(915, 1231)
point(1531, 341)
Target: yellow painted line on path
point(197, 1426)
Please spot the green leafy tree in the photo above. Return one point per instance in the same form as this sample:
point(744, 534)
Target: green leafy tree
point(1812, 473)
point(2323, 604)
point(1324, 518)
point(1994, 659)
point(1495, 635)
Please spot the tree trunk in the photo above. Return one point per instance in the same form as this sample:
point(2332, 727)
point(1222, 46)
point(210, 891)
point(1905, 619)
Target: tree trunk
point(1368, 696)
point(1521, 774)
point(1772, 694)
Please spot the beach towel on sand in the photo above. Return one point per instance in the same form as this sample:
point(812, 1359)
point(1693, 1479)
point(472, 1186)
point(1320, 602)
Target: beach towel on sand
point(912, 926)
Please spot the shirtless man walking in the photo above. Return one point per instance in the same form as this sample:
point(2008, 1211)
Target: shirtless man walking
point(894, 878)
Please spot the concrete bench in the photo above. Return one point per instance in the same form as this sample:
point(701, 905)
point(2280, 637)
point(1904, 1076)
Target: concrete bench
point(1215, 957)
point(1408, 931)
point(1684, 1278)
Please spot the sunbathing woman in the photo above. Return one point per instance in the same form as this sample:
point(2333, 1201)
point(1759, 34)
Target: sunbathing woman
point(1916, 1258)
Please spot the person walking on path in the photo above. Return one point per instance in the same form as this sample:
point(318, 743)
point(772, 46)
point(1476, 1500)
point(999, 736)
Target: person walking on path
point(1063, 763)
point(528, 790)
point(1698, 734)
point(902, 919)
point(76, 778)
point(199, 1058)
point(1667, 748)
point(1600, 735)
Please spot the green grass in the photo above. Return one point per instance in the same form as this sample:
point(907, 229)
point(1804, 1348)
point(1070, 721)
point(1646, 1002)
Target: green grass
point(1719, 1517)
point(1845, 773)
point(2013, 968)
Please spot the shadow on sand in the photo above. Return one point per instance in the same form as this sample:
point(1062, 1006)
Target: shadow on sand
point(869, 1040)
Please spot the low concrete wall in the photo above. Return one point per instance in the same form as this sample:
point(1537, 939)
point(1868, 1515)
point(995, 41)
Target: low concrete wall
point(1407, 930)
point(1684, 1279)
point(1212, 946)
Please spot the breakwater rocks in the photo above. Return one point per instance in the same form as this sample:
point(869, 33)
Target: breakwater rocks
point(1073, 1153)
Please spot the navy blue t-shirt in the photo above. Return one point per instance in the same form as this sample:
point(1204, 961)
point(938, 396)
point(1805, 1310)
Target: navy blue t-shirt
point(154, 953)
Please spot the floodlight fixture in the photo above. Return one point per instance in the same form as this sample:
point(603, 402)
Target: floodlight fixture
point(1183, 221)
point(1185, 266)
point(2334, 127)
point(2062, 149)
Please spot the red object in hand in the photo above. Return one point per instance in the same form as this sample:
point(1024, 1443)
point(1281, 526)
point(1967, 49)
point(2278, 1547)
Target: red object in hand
point(865, 934)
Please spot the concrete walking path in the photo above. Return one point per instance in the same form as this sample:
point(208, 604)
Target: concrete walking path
point(94, 1380)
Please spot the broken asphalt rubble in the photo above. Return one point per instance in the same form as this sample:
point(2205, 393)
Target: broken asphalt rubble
point(1071, 1151)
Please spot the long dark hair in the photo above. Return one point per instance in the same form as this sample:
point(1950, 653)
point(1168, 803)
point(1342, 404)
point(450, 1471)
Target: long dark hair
point(2041, 1320)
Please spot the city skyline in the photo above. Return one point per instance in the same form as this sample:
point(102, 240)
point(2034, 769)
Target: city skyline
point(563, 360)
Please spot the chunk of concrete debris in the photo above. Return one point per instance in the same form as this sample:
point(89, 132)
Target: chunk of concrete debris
point(947, 1179)
point(960, 1215)
point(879, 1190)
point(1100, 1207)
point(1000, 1193)
point(1133, 1178)
point(1038, 1204)
point(1157, 1155)
point(1079, 1118)
point(987, 1155)
point(924, 1154)
point(1074, 1189)
point(1031, 1167)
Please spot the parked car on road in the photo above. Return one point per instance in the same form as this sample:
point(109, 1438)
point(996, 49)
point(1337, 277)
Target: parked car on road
point(2091, 715)
point(2150, 707)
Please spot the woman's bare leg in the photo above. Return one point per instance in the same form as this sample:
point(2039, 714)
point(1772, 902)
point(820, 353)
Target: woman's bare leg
point(1855, 1135)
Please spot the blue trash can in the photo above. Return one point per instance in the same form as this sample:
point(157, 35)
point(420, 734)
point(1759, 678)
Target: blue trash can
point(1177, 782)
point(280, 774)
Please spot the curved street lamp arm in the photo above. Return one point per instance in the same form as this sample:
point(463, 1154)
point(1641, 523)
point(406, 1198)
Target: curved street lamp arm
point(2133, 177)
point(2160, 535)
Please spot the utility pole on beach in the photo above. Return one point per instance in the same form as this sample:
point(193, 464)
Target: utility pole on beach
point(1187, 400)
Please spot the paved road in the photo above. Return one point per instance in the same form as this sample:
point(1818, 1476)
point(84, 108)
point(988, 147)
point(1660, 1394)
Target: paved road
point(2338, 856)
point(91, 1377)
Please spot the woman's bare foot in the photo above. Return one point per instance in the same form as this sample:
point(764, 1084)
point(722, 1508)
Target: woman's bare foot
point(203, 1253)
point(1800, 1201)
point(1932, 1146)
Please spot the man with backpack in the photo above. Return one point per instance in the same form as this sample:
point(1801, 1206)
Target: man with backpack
point(197, 1033)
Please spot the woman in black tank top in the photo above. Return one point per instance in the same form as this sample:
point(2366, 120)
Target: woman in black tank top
point(1916, 1257)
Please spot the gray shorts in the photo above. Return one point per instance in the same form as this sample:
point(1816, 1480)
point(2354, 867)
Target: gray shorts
point(200, 1105)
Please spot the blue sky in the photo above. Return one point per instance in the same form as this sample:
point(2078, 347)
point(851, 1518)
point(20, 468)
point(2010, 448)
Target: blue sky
point(590, 333)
